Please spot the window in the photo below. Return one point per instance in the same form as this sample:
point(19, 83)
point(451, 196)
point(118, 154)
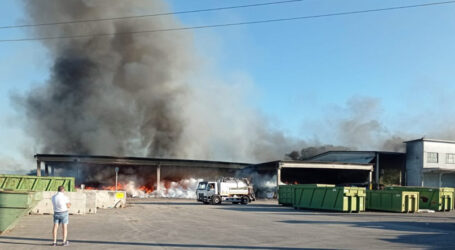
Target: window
point(450, 158)
point(432, 157)
point(202, 185)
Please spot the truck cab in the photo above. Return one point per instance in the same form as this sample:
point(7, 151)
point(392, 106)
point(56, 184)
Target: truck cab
point(226, 189)
point(206, 190)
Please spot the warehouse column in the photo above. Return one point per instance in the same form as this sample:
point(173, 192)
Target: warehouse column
point(46, 169)
point(158, 177)
point(377, 171)
point(278, 174)
point(370, 180)
point(38, 168)
point(52, 171)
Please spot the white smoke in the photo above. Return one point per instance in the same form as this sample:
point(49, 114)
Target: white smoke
point(264, 184)
point(183, 189)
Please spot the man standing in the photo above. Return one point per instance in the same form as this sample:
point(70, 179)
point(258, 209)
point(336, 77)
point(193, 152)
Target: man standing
point(61, 204)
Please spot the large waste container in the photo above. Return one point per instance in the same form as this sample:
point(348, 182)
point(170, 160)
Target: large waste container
point(438, 199)
point(286, 195)
point(329, 197)
point(14, 205)
point(35, 183)
point(392, 200)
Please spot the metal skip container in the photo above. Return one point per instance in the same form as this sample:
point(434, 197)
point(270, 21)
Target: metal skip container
point(438, 199)
point(329, 197)
point(392, 201)
point(286, 195)
point(13, 205)
point(35, 183)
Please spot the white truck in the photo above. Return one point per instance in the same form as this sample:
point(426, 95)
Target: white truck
point(233, 190)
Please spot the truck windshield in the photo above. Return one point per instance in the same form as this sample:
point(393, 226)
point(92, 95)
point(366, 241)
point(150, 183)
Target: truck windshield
point(202, 185)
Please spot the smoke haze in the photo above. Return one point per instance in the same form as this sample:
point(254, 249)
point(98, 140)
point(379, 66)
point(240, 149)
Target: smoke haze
point(133, 94)
point(136, 95)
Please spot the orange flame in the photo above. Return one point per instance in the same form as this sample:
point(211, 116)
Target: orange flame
point(122, 187)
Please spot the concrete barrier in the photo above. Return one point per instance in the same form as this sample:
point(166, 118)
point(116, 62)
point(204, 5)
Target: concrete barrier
point(90, 203)
point(109, 199)
point(78, 203)
point(82, 201)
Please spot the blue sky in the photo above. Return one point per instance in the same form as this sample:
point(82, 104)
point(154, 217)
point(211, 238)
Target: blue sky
point(303, 68)
point(302, 72)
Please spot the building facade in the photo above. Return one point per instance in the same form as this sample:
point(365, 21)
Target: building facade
point(389, 167)
point(430, 163)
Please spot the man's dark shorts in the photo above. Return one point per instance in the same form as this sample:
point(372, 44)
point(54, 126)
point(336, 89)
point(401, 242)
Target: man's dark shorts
point(61, 217)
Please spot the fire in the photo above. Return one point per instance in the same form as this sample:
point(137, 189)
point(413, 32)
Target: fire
point(146, 189)
point(123, 187)
point(120, 186)
point(184, 188)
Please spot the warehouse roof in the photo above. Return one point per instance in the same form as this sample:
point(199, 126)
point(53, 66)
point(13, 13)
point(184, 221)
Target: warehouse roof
point(361, 157)
point(137, 161)
point(312, 164)
point(430, 140)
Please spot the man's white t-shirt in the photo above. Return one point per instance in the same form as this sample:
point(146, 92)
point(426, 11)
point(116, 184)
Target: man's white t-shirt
point(59, 202)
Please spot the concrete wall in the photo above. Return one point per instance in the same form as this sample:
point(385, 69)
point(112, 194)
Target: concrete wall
point(442, 149)
point(83, 202)
point(90, 202)
point(78, 203)
point(414, 163)
point(420, 172)
point(109, 199)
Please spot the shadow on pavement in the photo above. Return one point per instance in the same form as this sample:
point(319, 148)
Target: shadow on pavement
point(279, 209)
point(175, 245)
point(256, 208)
point(164, 203)
point(437, 234)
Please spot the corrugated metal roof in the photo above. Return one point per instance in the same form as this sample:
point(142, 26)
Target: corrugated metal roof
point(348, 157)
point(141, 161)
point(430, 140)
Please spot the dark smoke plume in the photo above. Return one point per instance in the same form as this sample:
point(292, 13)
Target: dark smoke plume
point(308, 152)
point(133, 94)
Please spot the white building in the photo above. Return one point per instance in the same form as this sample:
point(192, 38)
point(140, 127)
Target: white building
point(430, 163)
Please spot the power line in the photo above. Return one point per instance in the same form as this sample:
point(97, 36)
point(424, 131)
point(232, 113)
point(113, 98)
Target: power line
point(149, 15)
point(229, 24)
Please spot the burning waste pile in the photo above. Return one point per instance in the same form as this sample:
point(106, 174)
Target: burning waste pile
point(183, 189)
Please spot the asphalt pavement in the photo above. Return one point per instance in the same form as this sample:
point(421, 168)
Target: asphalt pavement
point(186, 224)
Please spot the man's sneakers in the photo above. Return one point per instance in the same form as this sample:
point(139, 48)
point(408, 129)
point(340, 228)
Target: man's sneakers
point(66, 243)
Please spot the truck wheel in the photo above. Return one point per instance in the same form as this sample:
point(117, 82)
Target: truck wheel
point(216, 200)
point(244, 200)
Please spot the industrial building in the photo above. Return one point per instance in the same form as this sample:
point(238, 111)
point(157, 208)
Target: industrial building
point(306, 172)
point(430, 163)
point(150, 171)
point(427, 162)
point(389, 167)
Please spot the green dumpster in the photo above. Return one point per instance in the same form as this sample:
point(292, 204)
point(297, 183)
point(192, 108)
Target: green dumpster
point(286, 195)
point(392, 201)
point(329, 197)
point(35, 183)
point(14, 205)
point(438, 199)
